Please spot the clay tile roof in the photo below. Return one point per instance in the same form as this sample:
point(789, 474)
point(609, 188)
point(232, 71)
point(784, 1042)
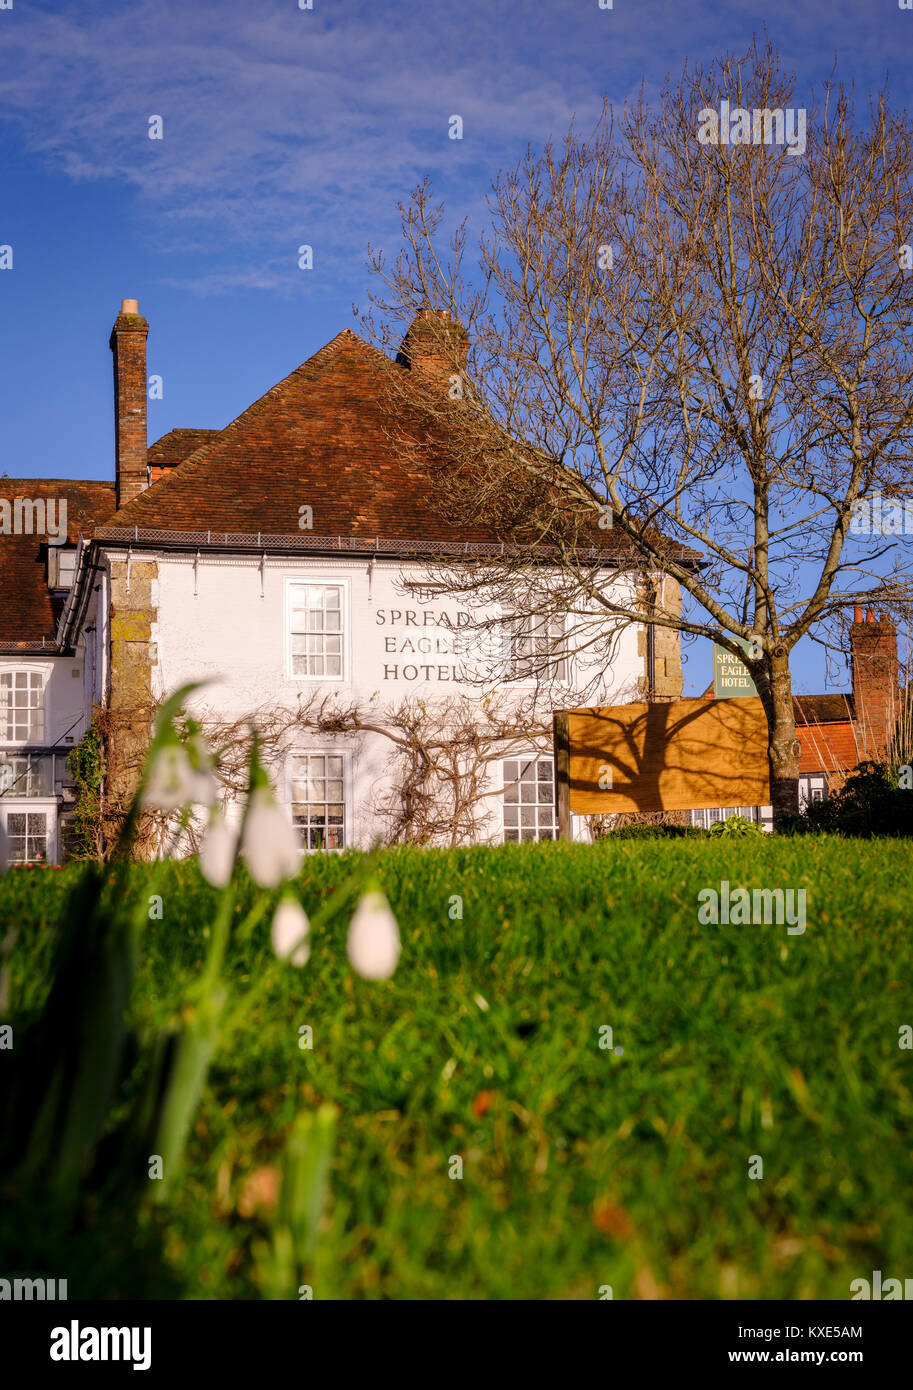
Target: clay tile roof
point(824, 709)
point(177, 445)
point(28, 612)
point(319, 438)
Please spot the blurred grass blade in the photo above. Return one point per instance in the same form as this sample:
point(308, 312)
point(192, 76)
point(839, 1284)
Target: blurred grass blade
point(196, 1044)
point(305, 1176)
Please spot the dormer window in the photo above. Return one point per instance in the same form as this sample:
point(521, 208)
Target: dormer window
point(21, 707)
point(61, 567)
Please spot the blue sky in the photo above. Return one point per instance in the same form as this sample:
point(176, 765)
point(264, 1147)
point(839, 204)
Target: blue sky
point(285, 126)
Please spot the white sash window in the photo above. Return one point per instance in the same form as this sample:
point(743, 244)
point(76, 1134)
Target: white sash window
point(21, 707)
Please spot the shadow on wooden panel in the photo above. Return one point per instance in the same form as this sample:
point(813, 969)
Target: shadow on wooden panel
point(672, 756)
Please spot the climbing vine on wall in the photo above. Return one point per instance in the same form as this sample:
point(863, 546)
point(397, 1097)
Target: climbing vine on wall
point(86, 764)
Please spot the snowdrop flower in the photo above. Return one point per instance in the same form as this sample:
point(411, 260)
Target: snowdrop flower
point(289, 932)
point(4, 851)
point(205, 784)
point(270, 845)
point(373, 944)
point(170, 780)
point(173, 783)
point(217, 852)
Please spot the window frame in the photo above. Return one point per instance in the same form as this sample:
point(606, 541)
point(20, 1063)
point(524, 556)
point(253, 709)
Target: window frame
point(55, 554)
point(36, 766)
point(320, 581)
point(706, 816)
point(32, 741)
point(40, 806)
point(323, 751)
point(536, 757)
point(513, 634)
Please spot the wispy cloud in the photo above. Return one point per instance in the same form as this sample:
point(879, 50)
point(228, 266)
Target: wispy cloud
point(281, 126)
point(284, 126)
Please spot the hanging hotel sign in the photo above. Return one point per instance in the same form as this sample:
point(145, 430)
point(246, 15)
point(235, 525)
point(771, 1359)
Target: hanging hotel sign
point(731, 676)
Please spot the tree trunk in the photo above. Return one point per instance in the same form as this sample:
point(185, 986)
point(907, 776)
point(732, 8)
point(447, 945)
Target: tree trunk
point(784, 749)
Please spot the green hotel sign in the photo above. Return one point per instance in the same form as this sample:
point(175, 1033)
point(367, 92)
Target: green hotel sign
point(731, 677)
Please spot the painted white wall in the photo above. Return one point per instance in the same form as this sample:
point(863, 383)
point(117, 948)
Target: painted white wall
point(64, 694)
point(225, 620)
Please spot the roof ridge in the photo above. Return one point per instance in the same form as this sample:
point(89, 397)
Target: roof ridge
point(73, 482)
point(321, 359)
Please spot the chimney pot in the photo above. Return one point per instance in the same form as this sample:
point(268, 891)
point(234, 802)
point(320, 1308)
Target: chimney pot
point(435, 345)
point(129, 306)
point(869, 616)
point(857, 614)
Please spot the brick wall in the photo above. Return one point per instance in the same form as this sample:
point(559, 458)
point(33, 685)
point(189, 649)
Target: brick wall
point(128, 344)
point(874, 654)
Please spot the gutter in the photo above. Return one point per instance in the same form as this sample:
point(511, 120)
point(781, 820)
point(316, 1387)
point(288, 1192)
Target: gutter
point(78, 599)
point(296, 543)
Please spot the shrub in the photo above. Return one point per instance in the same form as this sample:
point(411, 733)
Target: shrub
point(870, 803)
point(736, 825)
point(657, 832)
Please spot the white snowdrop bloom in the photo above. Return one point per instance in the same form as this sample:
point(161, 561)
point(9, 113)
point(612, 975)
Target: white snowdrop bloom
point(289, 932)
point(204, 782)
point(172, 782)
point(217, 852)
point(270, 845)
point(373, 944)
point(4, 851)
point(204, 788)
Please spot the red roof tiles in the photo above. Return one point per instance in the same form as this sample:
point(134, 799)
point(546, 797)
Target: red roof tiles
point(28, 611)
point(322, 438)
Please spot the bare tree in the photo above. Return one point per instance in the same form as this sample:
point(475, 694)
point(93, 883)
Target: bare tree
point(438, 787)
point(697, 319)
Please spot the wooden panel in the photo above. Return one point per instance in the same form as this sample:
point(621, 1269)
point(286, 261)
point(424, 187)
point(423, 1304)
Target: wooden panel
point(670, 756)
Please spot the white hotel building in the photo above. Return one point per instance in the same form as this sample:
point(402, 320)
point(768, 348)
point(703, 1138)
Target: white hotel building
point(273, 560)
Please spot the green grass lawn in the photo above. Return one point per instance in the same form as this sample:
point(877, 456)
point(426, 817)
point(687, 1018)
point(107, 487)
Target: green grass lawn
point(581, 1167)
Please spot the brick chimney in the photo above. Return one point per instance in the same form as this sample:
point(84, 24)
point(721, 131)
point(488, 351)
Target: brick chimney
point(128, 344)
point(873, 645)
point(435, 345)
